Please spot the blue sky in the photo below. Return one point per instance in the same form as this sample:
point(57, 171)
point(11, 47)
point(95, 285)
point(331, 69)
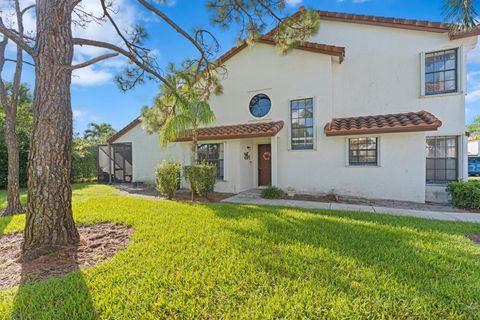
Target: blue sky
point(95, 96)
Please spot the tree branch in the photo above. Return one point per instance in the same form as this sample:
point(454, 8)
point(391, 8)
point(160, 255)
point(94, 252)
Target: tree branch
point(25, 62)
point(15, 38)
point(93, 61)
point(17, 76)
point(125, 53)
point(175, 26)
point(3, 91)
point(27, 8)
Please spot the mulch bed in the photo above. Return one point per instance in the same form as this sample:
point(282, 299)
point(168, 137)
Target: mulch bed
point(181, 195)
point(475, 238)
point(97, 243)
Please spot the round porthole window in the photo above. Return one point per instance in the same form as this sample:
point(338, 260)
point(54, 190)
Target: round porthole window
point(260, 105)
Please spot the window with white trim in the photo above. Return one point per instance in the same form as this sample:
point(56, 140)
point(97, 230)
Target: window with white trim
point(212, 153)
point(302, 130)
point(441, 72)
point(363, 151)
point(442, 159)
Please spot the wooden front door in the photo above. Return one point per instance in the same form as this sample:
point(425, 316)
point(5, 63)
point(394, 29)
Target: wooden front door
point(264, 164)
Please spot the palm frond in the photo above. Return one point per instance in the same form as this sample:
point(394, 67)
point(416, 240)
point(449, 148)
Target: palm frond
point(462, 14)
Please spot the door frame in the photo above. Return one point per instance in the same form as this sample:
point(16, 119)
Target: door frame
point(114, 171)
point(258, 164)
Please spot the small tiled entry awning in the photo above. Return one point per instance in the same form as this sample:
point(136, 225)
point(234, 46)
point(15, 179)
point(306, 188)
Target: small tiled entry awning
point(238, 131)
point(390, 123)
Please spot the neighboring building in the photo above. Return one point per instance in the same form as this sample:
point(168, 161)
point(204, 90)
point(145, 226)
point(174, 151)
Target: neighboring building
point(473, 147)
point(369, 107)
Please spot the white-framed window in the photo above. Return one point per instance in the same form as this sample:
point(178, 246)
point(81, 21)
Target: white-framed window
point(212, 153)
point(363, 151)
point(302, 124)
point(442, 159)
point(441, 71)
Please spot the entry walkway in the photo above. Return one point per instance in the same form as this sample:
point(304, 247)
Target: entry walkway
point(253, 197)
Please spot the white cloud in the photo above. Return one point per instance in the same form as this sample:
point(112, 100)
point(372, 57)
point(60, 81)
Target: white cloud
point(474, 55)
point(473, 79)
point(473, 96)
point(91, 76)
point(172, 3)
point(293, 3)
point(126, 17)
point(84, 116)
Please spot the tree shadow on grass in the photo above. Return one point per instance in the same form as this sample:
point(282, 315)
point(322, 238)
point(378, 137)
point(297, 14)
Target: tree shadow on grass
point(53, 287)
point(353, 253)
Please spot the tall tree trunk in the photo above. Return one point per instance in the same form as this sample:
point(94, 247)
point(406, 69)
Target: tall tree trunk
point(13, 188)
point(50, 222)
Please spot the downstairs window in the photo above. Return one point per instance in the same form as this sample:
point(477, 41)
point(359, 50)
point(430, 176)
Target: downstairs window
point(363, 151)
point(212, 153)
point(442, 159)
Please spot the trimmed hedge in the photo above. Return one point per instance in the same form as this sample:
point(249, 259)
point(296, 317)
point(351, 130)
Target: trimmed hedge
point(168, 178)
point(465, 195)
point(272, 192)
point(201, 178)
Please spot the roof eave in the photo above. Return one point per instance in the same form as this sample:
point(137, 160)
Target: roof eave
point(406, 129)
point(124, 130)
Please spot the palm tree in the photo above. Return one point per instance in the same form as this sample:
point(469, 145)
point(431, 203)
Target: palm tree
point(181, 111)
point(462, 13)
point(190, 116)
point(98, 132)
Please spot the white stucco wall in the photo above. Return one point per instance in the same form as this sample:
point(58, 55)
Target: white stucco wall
point(381, 74)
point(147, 153)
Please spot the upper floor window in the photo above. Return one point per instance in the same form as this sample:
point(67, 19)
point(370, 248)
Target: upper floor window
point(212, 153)
point(260, 105)
point(301, 114)
point(441, 72)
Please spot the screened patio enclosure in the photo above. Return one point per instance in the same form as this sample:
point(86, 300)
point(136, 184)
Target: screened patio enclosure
point(115, 163)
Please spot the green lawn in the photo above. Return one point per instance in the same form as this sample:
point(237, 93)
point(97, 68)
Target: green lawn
point(229, 261)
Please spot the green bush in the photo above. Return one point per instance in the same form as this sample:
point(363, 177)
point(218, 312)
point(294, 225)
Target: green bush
point(465, 195)
point(272, 192)
point(168, 178)
point(84, 160)
point(201, 178)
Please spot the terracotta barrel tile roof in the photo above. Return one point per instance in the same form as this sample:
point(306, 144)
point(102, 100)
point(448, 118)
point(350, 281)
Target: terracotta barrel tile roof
point(400, 122)
point(385, 21)
point(248, 130)
point(410, 24)
point(302, 45)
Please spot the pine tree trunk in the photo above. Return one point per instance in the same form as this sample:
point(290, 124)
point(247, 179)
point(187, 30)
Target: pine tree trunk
point(50, 222)
point(13, 185)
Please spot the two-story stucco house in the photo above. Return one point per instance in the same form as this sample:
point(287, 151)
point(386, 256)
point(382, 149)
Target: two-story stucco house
point(369, 107)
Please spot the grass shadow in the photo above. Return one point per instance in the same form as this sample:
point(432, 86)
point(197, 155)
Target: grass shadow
point(53, 287)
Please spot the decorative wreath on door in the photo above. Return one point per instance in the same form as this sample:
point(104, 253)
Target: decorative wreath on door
point(267, 156)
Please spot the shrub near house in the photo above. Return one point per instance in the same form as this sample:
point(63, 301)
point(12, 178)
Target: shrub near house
point(201, 178)
point(465, 195)
point(168, 178)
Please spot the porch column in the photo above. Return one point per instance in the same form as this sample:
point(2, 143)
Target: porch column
point(274, 143)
